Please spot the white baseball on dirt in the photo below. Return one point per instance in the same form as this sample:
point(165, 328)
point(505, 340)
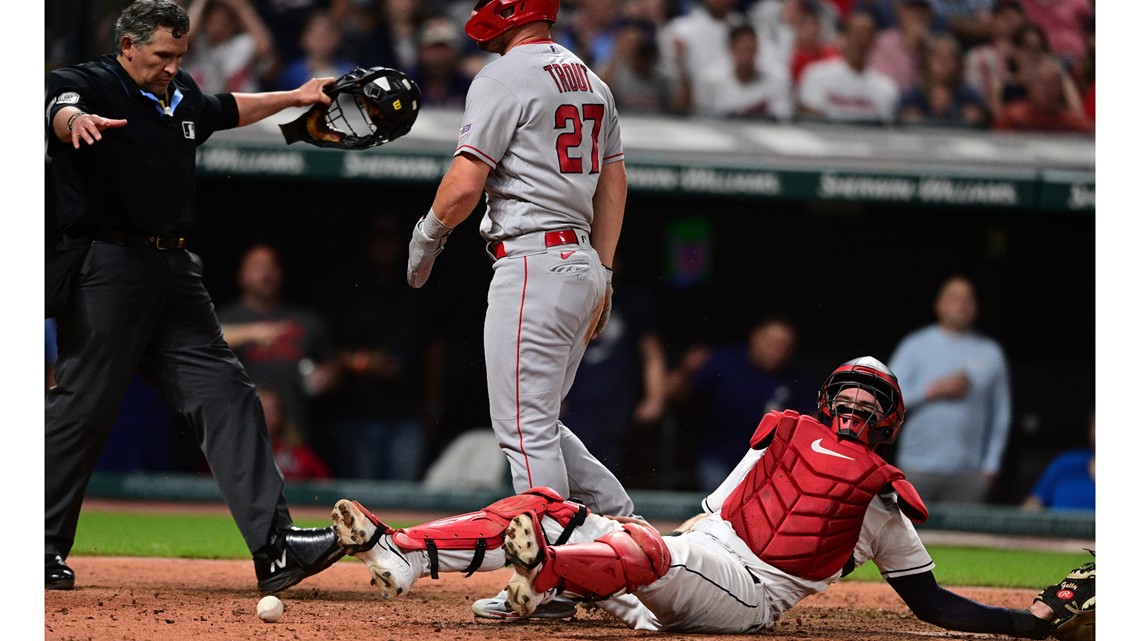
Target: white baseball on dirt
point(270, 608)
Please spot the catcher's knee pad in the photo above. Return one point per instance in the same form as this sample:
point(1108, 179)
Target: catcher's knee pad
point(616, 563)
point(483, 530)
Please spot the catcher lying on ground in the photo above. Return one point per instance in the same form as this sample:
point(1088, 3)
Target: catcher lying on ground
point(809, 502)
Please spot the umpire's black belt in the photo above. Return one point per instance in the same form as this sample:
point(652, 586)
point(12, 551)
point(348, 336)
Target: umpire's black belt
point(136, 239)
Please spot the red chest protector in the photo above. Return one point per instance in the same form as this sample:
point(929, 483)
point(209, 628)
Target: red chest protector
point(801, 507)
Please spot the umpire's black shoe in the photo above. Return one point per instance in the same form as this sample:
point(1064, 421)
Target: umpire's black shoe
point(294, 554)
point(57, 576)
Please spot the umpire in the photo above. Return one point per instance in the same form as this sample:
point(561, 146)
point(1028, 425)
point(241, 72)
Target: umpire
point(122, 133)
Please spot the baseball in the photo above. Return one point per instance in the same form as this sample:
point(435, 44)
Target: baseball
point(270, 608)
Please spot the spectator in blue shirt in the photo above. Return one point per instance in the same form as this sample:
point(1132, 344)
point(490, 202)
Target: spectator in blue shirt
point(738, 384)
point(1069, 481)
point(941, 97)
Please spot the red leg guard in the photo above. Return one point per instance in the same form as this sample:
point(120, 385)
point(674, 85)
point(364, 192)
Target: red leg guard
point(483, 530)
point(616, 563)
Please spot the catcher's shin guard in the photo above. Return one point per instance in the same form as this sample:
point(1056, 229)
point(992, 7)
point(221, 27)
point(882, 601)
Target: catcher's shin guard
point(483, 530)
point(614, 564)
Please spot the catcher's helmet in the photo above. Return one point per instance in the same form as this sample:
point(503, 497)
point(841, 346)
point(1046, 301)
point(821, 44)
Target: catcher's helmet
point(871, 375)
point(370, 107)
point(493, 17)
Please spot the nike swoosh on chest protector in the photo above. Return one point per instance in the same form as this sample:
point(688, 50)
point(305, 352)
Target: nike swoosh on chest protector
point(817, 446)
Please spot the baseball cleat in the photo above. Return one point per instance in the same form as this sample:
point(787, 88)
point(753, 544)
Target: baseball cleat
point(294, 554)
point(497, 607)
point(525, 549)
point(521, 543)
point(357, 529)
point(362, 535)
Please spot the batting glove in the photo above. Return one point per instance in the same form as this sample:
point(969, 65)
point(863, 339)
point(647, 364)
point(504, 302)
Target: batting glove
point(428, 238)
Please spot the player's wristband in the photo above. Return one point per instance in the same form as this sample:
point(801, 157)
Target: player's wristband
point(71, 120)
point(433, 227)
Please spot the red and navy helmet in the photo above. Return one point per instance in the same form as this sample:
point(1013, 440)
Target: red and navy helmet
point(860, 423)
point(493, 17)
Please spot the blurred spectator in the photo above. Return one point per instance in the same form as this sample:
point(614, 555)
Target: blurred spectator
point(590, 29)
point(363, 40)
point(970, 21)
point(956, 384)
point(694, 44)
point(297, 461)
point(231, 48)
point(941, 97)
point(655, 12)
point(811, 42)
point(847, 89)
point(1029, 47)
point(320, 46)
point(286, 21)
point(899, 51)
point(439, 75)
point(1069, 481)
point(78, 31)
point(400, 23)
point(784, 30)
point(281, 346)
point(634, 75)
point(736, 385)
point(619, 393)
point(987, 66)
point(382, 415)
point(1084, 71)
point(1051, 103)
point(1063, 22)
point(743, 90)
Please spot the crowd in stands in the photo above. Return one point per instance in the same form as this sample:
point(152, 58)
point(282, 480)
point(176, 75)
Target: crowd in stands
point(1025, 65)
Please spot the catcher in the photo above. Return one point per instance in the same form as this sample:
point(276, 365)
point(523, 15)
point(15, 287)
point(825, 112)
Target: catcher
point(809, 502)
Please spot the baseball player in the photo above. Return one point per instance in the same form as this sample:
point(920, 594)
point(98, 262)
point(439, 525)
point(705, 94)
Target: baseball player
point(540, 136)
point(808, 503)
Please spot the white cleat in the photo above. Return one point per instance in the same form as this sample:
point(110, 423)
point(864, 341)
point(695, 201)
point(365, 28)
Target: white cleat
point(524, 551)
point(356, 530)
point(498, 607)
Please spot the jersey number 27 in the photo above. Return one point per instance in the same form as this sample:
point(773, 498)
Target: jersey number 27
point(570, 156)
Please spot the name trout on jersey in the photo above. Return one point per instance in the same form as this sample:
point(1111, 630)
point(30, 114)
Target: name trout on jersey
point(571, 76)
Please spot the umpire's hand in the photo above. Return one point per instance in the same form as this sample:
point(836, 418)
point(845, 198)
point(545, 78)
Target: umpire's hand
point(76, 126)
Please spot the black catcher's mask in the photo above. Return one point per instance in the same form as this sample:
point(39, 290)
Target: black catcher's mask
point(370, 107)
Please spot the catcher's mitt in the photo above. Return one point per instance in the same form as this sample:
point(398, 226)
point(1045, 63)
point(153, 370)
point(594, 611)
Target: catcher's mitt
point(370, 107)
point(1073, 601)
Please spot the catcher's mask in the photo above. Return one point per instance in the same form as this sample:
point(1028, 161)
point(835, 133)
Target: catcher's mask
point(871, 411)
point(370, 107)
point(493, 17)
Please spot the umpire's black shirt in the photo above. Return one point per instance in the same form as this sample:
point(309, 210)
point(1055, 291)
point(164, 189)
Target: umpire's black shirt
point(139, 177)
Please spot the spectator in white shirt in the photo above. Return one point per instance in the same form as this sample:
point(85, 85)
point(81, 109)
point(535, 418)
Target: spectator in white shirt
point(696, 43)
point(847, 89)
point(744, 90)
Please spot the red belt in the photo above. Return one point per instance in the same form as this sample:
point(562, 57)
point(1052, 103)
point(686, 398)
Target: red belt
point(553, 239)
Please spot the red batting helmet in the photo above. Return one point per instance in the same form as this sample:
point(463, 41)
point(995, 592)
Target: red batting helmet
point(493, 17)
point(870, 375)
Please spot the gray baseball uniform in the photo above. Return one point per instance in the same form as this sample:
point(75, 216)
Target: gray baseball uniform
point(545, 124)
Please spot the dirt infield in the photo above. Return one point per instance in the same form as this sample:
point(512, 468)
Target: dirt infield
point(138, 599)
point(146, 599)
